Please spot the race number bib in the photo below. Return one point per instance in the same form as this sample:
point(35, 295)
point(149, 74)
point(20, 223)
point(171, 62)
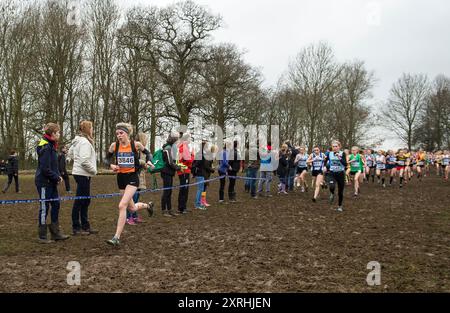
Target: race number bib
point(125, 159)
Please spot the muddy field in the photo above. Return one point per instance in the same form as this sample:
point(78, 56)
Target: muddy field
point(280, 244)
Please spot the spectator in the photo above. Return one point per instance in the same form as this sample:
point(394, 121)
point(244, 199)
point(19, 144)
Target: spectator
point(199, 169)
point(185, 160)
point(224, 167)
point(265, 170)
point(47, 178)
point(234, 160)
point(292, 151)
point(252, 163)
point(84, 168)
point(167, 174)
point(12, 169)
point(209, 169)
point(283, 168)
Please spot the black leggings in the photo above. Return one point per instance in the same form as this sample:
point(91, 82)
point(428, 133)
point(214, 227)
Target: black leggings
point(9, 182)
point(231, 184)
point(66, 182)
point(166, 199)
point(339, 179)
point(222, 187)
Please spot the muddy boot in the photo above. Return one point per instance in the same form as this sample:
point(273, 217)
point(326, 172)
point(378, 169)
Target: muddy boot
point(42, 230)
point(56, 232)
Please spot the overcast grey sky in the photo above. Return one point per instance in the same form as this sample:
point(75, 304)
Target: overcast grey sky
point(391, 36)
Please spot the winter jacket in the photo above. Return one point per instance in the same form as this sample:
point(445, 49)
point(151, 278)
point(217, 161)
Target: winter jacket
point(84, 157)
point(12, 167)
point(208, 168)
point(252, 164)
point(202, 168)
point(170, 167)
point(185, 157)
point(234, 161)
point(266, 160)
point(62, 164)
point(283, 164)
point(223, 164)
point(47, 172)
point(292, 157)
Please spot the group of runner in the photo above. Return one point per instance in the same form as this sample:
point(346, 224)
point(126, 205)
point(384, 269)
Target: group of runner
point(129, 158)
point(357, 165)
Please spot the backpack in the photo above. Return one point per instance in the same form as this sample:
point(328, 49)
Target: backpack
point(158, 162)
point(137, 165)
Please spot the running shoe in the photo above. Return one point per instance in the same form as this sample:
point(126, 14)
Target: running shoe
point(113, 242)
point(90, 231)
point(331, 198)
point(340, 209)
point(150, 208)
point(130, 221)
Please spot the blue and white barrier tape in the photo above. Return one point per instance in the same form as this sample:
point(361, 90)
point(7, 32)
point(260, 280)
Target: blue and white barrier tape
point(111, 195)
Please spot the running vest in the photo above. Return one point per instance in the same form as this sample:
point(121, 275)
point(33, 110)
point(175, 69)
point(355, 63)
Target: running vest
point(126, 159)
point(369, 160)
point(302, 160)
point(381, 162)
point(317, 161)
point(392, 159)
point(421, 159)
point(356, 166)
point(446, 160)
point(334, 162)
point(401, 161)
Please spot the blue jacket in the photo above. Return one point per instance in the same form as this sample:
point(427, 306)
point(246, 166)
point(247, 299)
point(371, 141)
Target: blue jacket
point(47, 173)
point(223, 164)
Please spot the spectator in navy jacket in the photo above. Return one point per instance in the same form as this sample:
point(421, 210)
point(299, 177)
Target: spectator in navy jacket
point(47, 179)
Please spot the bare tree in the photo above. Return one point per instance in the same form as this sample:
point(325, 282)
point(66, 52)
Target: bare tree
point(18, 39)
point(434, 130)
point(103, 16)
point(351, 113)
point(313, 75)
point(172, 40)
point(405, 106)
point(229, 84)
